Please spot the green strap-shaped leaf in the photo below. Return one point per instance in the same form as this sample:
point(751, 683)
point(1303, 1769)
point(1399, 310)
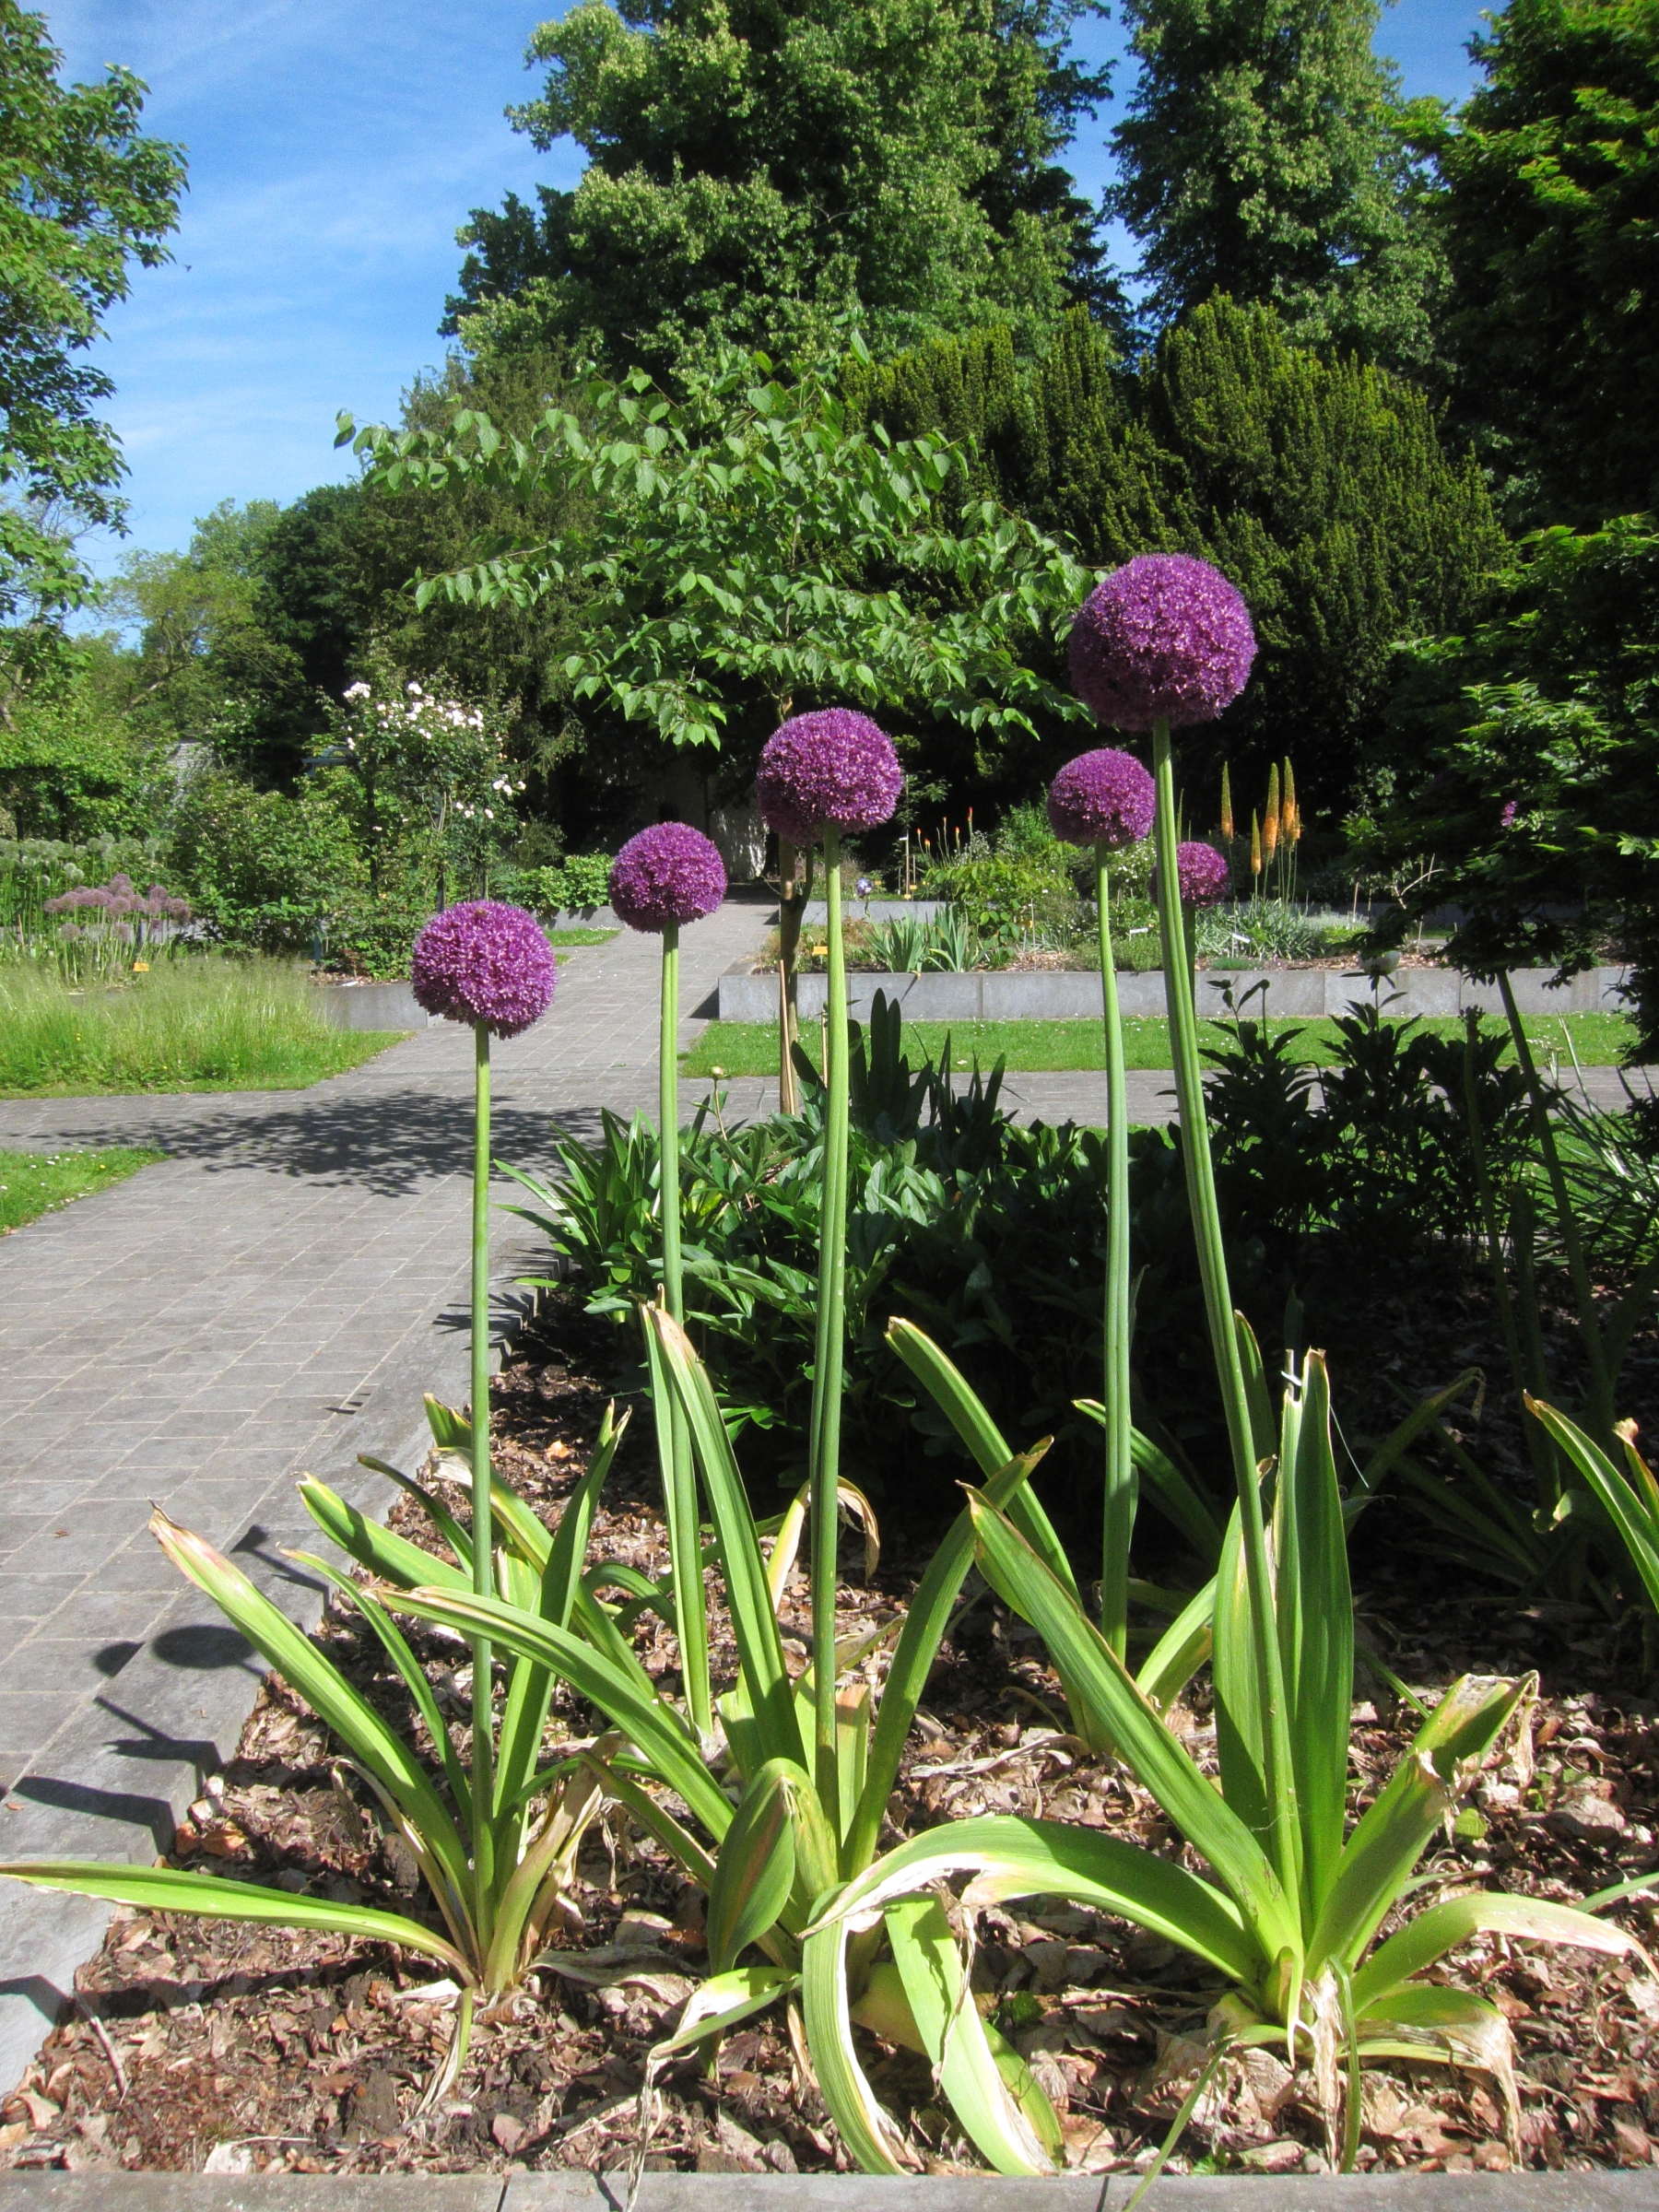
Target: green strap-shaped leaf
point(387, 1555)
point(530, 1690)
point(1146, 1745)
point(1009, 1857)
point(410, 1671)
point(457, 1538)
point(1454, 2026)
point(956, 1400)
point(755, 1868)
point(168, 1889)
point(1181, 1651)
point(1314, 1610)
point(645, 1718)
point(1239, 1727)
point(678, 1479)
point(1631, 1512)
point(1263, 1436)
point(863, 2126)
point(372, 1741)
point(720, 2002)
point(1379, 1856)
point(953, 2035)
point(925, 1621)
point(743, 1566)
point(1458, 1920)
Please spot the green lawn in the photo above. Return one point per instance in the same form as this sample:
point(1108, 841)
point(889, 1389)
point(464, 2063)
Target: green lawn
point(579, 936)
point(745, 1048)
point(195, 1024)
point(33, 1183)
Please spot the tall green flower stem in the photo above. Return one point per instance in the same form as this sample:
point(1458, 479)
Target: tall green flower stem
point(828, 1343)
point(684, 1523)
point(1279, 1782)
point(1118, 1503)
point(483, 1533)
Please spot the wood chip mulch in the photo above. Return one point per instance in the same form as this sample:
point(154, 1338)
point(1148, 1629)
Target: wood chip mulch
point(201, 2046)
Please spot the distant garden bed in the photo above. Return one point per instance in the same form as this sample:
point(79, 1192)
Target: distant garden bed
point(192, 1023)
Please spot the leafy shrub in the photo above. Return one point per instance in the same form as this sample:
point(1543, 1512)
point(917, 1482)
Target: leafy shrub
point(574, 884)
point(262, 869)
point(70, 767)
point(374, 937)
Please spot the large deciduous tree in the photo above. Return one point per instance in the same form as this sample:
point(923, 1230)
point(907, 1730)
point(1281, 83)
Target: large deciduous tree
point(745, 550)
point(82, 196)
point(1551, 213)
point(1263, 157)
point(774, 172)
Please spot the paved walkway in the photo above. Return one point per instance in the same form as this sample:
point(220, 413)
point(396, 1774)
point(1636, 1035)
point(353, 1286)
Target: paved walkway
point(272, 1298)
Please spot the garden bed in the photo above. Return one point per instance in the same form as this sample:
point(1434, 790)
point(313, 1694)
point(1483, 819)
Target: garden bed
point(243, 2050)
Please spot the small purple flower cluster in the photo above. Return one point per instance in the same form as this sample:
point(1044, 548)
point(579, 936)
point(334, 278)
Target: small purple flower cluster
point(119, 897)
point(1200, 871)
point(1164, 638)
point(669, 873)
point(484, 963)
point(1105, 798)
point(1512, 808)
point(834, 769)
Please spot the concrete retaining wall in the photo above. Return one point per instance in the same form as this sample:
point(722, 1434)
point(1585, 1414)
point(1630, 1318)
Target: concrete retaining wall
point(1300, 994)
point(371, 1006)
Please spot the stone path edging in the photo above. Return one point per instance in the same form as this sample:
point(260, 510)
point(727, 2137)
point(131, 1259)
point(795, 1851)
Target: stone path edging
point(1631, 2191)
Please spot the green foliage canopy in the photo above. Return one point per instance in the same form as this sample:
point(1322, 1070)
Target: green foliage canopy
point(1551, 706)
point(82, 195)
point(1262, 157)
point(753, 553)
point(1321, 487)
point(774, 174)
point(1551, 178)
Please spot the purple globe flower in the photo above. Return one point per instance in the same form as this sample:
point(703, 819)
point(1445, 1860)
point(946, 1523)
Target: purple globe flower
point(834, 769)
point(485, 963)
point(670, 873)
point(1163, 638)
point(1200, 871)
point(1101, 798)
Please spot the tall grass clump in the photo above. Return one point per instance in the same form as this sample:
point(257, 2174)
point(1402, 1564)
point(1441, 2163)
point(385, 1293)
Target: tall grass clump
point(197, 1025)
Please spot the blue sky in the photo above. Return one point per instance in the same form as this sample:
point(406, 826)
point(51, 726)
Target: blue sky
point(334, 148)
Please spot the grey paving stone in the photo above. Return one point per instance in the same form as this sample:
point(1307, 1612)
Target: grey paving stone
point(32, 1596)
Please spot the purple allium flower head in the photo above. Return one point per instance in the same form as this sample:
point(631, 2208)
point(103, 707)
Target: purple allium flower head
point(1163, 638)
point(1201, 871)
point(485, 963)
point(1101, 798)
point(669, 873)
point(834, 769)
